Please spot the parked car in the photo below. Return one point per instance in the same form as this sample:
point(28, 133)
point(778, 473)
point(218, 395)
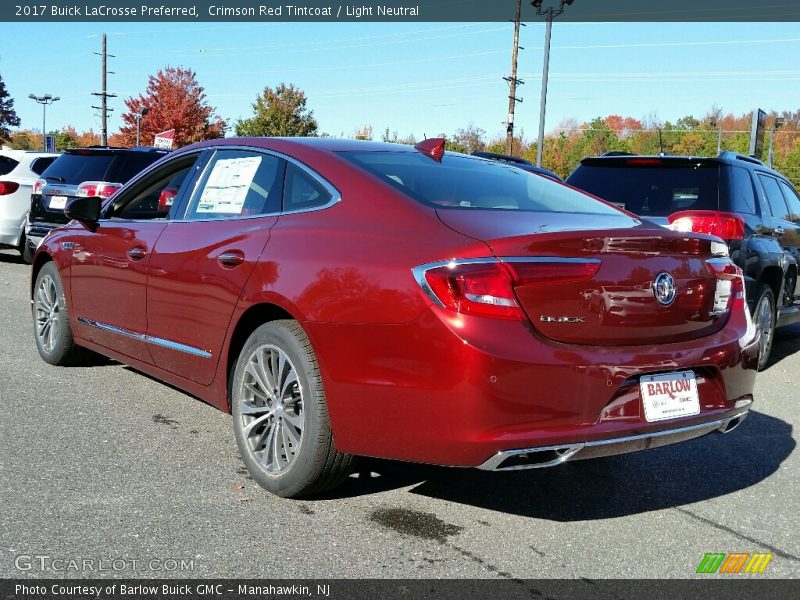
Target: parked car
point(519, 163)
point(734, 197)
point(347, 298)
point(94, 171)
point(19, 170)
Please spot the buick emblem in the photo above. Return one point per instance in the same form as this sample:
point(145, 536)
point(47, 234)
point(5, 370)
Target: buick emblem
point(664, 289)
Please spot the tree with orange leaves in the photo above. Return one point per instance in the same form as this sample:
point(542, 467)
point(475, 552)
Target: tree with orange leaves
point(173, 100)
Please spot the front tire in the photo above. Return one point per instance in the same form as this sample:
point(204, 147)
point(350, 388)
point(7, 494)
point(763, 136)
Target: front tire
point(51, 321)
point(765, 319)
point(280, 415)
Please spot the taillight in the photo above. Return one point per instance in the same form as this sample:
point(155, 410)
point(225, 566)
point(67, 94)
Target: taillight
point(103, 189)
point(727, 226)
point(486, 287)
point(166, 198)
point(38, 185)
point(730, 285)
point(8, 187)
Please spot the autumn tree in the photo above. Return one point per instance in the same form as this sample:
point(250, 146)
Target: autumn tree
point(173, 100)
point(8, 117)
point(469, 140)
point(279, 112)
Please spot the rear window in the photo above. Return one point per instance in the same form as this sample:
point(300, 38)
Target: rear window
point(7, 165)
point(74, 169)
point(652, 191)
point(461, 182)
point(40, 164)
point(133, 164)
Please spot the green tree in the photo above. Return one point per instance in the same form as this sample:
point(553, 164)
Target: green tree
point(8, 117)
point(469, 140)
point(279, 112)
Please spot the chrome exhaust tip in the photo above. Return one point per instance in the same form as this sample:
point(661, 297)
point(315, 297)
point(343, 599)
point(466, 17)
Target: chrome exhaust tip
point(733, 423)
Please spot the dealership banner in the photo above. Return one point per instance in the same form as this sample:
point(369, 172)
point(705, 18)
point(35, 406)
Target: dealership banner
point(738, 587)
point(394, 10)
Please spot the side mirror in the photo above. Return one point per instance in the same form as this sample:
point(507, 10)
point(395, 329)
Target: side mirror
point(85, 210)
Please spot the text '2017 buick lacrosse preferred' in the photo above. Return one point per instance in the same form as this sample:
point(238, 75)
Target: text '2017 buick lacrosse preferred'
point(346, 298)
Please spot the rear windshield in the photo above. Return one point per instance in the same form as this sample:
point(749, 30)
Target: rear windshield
point(461, 182)
point(652, 191)
point(74, 169)
point(40, 164)
point(135, 163)
point(7, 165)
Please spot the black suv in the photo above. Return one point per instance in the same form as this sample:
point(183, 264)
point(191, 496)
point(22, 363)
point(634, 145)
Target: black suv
point(93, 171)
point(737, 198)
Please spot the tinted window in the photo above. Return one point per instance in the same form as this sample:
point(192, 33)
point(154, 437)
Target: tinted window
point(153, 198)
point(74, 169)
point(772, 192)
point(134, 163)
point(792, 200)
point(237, 184)
point(744, 199)
point(302, 190)
point(40, 164)
point(652, 191)
point(470, 183)
point(7, 165)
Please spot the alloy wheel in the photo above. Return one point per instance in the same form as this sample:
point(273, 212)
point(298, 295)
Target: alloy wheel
point(271, 405)
point(765, 326)
point(48, 317)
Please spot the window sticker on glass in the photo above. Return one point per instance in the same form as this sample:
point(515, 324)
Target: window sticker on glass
point(227, 185)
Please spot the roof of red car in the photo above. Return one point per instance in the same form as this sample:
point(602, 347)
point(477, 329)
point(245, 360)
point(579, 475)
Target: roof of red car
point(321, 144)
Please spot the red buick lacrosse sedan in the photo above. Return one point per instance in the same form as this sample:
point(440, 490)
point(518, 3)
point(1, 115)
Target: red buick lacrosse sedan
point(346, 298)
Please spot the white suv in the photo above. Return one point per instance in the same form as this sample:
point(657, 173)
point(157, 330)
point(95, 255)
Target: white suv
point(19, 170)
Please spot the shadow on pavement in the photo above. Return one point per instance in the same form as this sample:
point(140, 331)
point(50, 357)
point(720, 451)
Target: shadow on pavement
point(787, 342)
point(11, 257)
point(701, 469)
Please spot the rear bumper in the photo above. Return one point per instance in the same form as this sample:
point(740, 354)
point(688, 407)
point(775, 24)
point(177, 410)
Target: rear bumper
point(536, 458)
point(458, 391)
point(36, 231)
point(10, 231)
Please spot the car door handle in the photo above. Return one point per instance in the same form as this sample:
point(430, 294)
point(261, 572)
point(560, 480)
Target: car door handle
point(231, 258)
point(778, 231)
point(136, 253)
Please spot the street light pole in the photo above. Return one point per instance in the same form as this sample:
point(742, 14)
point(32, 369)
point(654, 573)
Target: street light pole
point(141, 113)
point(551, 14)
point(714, 123)
point(44, 101)
point(777, 125)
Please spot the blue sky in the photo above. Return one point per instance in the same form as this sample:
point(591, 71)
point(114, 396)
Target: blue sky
point(416, 78)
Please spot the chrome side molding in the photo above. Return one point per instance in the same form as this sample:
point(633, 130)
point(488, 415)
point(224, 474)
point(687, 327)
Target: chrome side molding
point(146, 338)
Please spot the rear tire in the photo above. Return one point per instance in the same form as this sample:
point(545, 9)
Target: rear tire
point(280, 414)
point(25, 250)
point(765, 318)
point(51, 321)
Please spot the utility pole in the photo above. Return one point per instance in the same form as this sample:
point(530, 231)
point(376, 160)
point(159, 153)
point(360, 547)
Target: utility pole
point(513, 82)
point(550, 15)
point(104, 95)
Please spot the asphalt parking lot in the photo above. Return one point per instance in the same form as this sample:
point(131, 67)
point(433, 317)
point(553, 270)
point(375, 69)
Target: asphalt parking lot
point(106, 463)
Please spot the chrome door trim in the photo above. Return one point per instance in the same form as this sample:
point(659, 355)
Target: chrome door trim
point(146, 338)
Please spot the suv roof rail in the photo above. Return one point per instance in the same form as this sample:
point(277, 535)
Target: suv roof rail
point(504, 157)
point(730, 155)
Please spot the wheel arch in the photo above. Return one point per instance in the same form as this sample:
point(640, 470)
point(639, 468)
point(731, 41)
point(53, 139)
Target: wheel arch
point(773, 276)
point(252, 318)
point(40, 260)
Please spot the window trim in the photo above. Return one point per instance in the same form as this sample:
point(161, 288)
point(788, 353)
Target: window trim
point(336, 196)
point(762, 175)
point(198, 158)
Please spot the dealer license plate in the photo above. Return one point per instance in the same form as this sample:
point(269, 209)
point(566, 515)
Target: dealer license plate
point(57, 202)
point(669, 396)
